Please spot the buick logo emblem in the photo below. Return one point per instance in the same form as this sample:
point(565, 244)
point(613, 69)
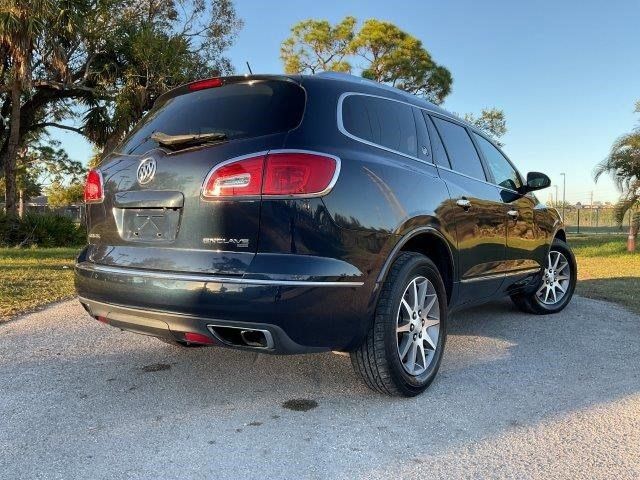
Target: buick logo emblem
point(146, 170)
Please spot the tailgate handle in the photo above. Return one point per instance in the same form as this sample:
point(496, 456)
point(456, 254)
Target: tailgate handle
point(149, 199)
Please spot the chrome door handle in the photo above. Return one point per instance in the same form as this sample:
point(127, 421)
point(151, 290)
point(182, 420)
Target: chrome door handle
point(464, 203)
point(513, 213)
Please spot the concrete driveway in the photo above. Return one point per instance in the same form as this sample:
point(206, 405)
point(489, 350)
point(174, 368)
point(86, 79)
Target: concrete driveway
point(517, 396)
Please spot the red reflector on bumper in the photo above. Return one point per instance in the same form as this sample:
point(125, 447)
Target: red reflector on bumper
point(102, 319)
point(198, 338)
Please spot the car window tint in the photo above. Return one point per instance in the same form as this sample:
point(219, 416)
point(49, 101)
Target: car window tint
point(462, 154)
point(424, 145)
point(439, 153)
point(239, 110)
point(380, 121)
point(503, 173)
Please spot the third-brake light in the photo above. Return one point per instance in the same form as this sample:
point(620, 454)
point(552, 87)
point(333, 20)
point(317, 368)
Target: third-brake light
point(203, 84)
point(283, 173)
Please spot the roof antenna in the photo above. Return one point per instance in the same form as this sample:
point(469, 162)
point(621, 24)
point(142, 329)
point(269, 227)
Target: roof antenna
point(249, 67)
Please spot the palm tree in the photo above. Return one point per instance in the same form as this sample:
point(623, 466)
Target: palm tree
point(21, 22)
point(623, 164)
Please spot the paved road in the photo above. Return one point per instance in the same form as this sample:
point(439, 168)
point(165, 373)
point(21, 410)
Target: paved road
point(518, 396)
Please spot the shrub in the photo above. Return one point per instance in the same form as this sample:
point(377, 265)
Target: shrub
point(42, 230)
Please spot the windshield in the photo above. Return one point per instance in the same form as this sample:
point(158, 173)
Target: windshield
point(238, 110)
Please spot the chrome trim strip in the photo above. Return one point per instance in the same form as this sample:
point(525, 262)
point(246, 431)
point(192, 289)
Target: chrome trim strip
point(527, 271)
point(191, 277)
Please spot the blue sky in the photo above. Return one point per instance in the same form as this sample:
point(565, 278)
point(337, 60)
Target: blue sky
point(566, 73)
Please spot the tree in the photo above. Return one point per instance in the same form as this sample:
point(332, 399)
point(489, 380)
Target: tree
point(19, 29)
point(59, 195)
point(316, 46)
point(390, 55)
point(107, 58)
point(491, 120)
point(159, 44)
point(95, 159)
point(393, 56)
point(44, 161)
point(46, 63)
point(623, 164)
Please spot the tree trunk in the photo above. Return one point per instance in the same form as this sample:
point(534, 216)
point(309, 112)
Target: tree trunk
point(12, 149)
point(21, 203)
point(633, 232)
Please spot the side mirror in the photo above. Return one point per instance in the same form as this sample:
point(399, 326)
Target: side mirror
point(536, 181)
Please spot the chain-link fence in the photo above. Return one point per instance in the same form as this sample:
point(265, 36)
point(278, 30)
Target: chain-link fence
point(594, 220)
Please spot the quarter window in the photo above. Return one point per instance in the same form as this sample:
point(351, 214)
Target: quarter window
point(383, 122)
point(503, 173)
point(439, 153)
point(462, 154)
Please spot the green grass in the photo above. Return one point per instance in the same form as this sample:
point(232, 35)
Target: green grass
point(606, 271)
point(31, 278)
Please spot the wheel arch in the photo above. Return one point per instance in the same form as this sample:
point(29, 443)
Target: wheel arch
point(560, 235)
point(430, 242)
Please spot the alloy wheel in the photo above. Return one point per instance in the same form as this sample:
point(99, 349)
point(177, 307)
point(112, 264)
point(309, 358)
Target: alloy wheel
point(556, 279)
point(418, 326)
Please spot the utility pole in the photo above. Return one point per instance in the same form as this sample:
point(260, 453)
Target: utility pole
point(555, 204)
point(564, 193)
point(591, 210)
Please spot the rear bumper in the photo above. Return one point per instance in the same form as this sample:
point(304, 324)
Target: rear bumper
point(300, 315)
point(172, 326)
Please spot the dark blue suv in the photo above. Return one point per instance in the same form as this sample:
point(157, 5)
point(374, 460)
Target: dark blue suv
point(295, 214)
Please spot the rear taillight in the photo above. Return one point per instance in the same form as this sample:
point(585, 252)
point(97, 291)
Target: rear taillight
point(280, 173)
point(298, 173)
point(93, 188)
point(242, 177)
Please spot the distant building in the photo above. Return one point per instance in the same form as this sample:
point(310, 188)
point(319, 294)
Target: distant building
point(40, 204)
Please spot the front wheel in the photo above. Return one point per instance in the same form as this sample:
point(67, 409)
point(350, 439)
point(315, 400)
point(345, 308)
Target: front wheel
point(557, 283)
point(403, 349)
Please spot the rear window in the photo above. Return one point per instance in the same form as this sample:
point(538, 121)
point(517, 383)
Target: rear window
point(382, 122)
point(240, 110)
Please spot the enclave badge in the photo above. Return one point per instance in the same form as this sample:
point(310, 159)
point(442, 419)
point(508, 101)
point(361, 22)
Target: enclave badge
point(238, 242)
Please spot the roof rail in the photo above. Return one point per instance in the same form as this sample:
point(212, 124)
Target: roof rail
point(354, 78)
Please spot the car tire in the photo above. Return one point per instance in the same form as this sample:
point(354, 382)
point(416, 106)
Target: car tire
point(411, 310)
point(549, 297)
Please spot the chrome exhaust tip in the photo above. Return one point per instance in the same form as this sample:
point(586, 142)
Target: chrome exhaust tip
point(254, 338)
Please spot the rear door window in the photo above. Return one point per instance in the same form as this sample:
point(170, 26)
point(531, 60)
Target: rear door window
point(239, 110)
point(381, 122)
point(460, 149)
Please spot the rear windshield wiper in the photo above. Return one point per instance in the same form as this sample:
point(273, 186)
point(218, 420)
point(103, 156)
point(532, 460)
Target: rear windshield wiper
point(173, 141)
